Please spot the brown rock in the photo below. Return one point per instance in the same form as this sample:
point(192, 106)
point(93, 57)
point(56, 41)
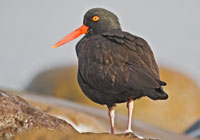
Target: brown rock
point(82, 122)
point(85, 116)
point(19, 120)
point(18, 116)
point(44, 134)
point(59, 82)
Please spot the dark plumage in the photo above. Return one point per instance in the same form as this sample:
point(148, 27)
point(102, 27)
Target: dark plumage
point(114, 66)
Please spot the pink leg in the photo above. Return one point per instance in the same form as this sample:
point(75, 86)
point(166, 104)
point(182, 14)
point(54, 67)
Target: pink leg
point(130, 110)
point(111, 113)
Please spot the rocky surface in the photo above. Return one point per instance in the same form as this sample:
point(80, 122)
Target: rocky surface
point(45, 134)
point(18, 116)
point(96, 120)
point(176, 114)
point(19, 120)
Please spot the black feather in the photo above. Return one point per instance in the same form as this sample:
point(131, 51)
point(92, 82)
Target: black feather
point(117, 66)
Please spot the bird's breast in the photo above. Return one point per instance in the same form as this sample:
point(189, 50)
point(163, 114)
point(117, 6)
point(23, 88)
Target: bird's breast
point(98, 66)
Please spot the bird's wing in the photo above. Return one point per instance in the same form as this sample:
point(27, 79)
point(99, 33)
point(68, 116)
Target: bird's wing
point(138, 47)
point(117, 61)
point(139, 59)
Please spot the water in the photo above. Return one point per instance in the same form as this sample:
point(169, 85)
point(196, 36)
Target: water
point(29, 28)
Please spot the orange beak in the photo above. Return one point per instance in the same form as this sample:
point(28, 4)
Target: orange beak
point(82, 30)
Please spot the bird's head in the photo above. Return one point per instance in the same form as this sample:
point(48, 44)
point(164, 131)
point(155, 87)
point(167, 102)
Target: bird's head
point(96, 21)
point(100, 20)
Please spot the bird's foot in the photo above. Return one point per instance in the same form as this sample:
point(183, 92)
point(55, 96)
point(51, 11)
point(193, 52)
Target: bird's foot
point(130, 131)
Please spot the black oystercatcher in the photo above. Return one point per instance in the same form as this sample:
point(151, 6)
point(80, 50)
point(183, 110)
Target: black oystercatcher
point(114, 66)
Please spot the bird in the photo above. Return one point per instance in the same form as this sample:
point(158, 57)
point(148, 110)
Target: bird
point(114, 66)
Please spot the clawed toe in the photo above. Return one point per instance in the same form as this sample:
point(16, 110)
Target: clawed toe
point(130, 131)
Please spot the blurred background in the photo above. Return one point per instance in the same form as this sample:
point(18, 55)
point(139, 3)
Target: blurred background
point(28, 29)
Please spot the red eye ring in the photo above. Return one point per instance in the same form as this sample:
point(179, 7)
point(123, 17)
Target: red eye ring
point(95, 18)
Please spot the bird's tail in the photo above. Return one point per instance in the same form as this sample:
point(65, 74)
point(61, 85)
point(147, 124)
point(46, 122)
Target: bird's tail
point(158, 94)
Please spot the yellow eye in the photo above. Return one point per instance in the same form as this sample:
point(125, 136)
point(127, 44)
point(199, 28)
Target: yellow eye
point(95, 18)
